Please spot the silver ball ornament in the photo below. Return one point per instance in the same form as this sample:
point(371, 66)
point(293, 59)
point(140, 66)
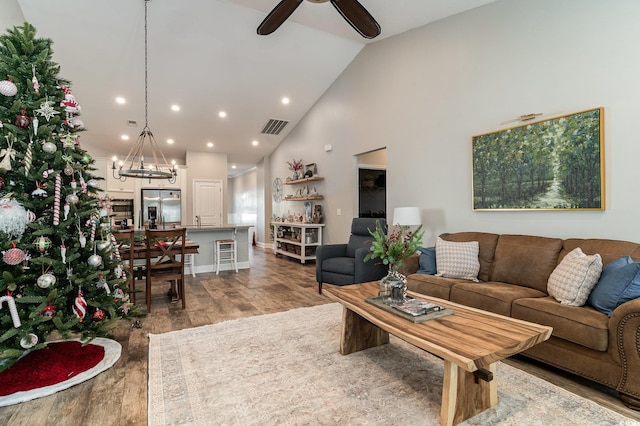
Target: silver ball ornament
point(72, 199)
point(94, 260)
point(46, 280)
point(49, 147)
point(103, 244)
point(29, 341)
point(93, 183)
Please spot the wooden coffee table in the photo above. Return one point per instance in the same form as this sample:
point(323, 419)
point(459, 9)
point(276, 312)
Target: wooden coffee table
point(470, 342)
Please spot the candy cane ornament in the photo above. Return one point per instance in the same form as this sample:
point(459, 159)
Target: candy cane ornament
point(116, 252)
point(11, 303)
point(80, 306)
point(28, 158)
point(56, 200)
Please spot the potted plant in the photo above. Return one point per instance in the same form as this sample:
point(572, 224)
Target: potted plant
point(296, 167)
point(392, 249)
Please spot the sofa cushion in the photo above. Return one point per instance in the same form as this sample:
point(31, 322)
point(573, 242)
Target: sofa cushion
point(573, 279)
point(491, 296)
point(581, 325)
point(616, 286)
point(608, 250)
point(525, 260)
point(427, 261)
point(457, 260)
point(431, 285)
point(487, 248)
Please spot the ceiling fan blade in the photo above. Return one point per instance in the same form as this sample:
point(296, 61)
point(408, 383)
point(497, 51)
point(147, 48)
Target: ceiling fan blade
point(359, 18)
point(277, 16)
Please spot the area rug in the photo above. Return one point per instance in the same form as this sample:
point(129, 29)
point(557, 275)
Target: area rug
point(286, 369)
point(58, 366)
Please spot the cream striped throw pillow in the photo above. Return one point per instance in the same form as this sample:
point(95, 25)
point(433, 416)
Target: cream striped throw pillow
point(457, 259)
point(574, 278)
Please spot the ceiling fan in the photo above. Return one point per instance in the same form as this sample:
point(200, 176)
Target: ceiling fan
point(351, 10)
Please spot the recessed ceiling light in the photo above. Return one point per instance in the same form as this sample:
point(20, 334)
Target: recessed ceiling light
point(255, 143)
point(124, 137)
point(285, 101)
point(175, 107)
point(170, 141)
point(222, 114)
point(233, 166)
point(121, 100)
point(210, 144)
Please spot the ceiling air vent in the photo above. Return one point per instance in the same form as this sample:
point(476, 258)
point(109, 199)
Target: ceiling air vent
point(274, 127)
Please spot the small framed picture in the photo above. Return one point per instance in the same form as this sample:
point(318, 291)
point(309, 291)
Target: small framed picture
point(308, 212)
point(310, 170)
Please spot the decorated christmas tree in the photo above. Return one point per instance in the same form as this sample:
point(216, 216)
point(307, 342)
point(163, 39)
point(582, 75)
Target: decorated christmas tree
point(61, 272)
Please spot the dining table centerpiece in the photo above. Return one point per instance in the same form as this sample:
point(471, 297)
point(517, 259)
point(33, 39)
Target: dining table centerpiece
point(392, 249)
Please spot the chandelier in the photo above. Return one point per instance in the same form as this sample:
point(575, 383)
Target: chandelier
point(134, 164)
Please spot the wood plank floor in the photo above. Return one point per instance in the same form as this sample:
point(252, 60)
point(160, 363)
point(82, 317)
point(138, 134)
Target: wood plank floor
point(119, 395)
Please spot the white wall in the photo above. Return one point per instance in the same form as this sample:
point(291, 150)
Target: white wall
point(206, 165)
point(425, 93)
point(243, 193)
point(11, 15)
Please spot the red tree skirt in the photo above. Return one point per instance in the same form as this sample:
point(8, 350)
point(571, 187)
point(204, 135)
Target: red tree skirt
point(56, 367)
point(53, 364)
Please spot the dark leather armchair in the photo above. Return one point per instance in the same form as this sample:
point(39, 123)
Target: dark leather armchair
point(344, 264)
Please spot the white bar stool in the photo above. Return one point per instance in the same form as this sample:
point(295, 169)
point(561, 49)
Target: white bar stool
point(188, 261)
point(226, 250)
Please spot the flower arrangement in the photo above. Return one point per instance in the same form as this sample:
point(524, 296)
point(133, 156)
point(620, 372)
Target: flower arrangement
point(295, 165)
point(392, 250)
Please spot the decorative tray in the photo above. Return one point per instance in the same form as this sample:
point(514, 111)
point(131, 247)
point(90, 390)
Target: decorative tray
point(410, 313)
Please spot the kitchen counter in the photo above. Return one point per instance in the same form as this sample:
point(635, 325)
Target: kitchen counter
point(206, 228)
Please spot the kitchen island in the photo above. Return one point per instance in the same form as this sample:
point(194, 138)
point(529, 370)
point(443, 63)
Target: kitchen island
point(206, 235)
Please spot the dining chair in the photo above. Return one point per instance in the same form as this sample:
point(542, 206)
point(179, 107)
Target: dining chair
point(165, 260)
point(124, 241)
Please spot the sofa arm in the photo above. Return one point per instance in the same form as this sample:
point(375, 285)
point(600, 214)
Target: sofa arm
point(371, 270)
point(624, 346)
point(326, 252)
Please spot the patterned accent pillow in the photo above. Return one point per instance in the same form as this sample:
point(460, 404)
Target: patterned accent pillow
point(574, 278)
point(457, 259)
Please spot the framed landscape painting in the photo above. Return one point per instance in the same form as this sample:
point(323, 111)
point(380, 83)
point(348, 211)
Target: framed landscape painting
point(553, 164)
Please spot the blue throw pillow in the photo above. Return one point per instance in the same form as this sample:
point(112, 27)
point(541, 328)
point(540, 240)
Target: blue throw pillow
point(427, 261)
point(618, 284)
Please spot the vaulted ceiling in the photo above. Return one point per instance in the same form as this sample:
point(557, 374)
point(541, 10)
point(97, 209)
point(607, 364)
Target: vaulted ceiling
point(205, 56)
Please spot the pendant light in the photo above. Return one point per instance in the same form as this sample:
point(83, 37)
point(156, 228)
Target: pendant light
point(134, 164)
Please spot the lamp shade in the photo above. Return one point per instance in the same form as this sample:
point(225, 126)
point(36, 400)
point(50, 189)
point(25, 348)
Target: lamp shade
point(406, 216)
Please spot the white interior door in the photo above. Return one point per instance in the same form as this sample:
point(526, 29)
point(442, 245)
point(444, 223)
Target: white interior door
point(207, 202)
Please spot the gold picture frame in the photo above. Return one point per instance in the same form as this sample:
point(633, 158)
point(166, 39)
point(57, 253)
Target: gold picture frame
point(551, 164)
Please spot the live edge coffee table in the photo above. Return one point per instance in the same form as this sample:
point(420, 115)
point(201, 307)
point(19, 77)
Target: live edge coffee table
point(470, 342)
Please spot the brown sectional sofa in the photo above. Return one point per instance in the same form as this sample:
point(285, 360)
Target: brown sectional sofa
point(513, 275)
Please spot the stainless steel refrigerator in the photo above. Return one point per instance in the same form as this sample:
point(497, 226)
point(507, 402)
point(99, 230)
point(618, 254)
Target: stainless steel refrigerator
point(161, 208)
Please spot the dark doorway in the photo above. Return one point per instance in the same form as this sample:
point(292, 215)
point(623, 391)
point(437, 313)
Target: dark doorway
point(372, 193)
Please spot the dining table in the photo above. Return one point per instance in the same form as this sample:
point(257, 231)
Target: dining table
point(140, 252)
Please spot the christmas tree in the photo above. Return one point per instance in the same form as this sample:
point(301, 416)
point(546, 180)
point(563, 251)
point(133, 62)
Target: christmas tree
point(61, 272)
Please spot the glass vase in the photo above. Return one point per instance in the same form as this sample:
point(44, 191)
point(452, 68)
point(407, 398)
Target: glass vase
point(393, 287)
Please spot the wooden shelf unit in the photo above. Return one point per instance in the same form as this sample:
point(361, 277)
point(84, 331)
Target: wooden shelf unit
point(303, 180)
point(305, 248)
point(309, 198)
